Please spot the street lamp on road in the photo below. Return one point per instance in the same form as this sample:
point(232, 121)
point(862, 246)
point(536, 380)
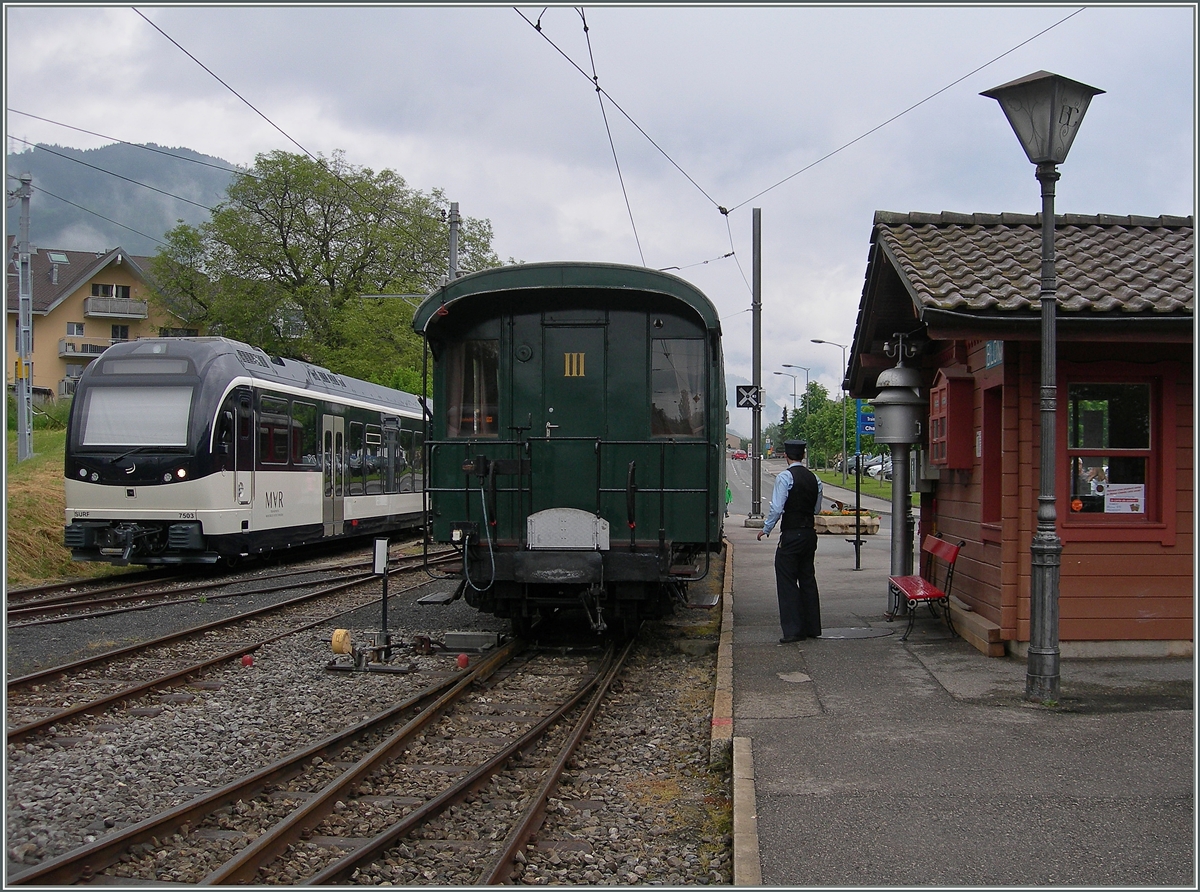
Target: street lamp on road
point(845, 371)
point(1045, 111)
point(793, 377)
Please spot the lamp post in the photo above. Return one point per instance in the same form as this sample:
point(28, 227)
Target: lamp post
point(793, 377)
point(806, 370)
point(845, 457)
point(1045, 111)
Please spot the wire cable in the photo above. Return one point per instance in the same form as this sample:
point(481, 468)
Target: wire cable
point(382, 210)
point(607, 129)
point(538, 28)
point(117, 175)
point(127, 143)
point(907, 110)
point(101, 216)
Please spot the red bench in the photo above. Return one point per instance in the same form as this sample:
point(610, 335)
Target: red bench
point(923, 589)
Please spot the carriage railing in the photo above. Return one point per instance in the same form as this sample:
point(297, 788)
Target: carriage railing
point(482, 490)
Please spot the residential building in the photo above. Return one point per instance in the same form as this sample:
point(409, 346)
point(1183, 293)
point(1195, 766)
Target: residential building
point(964, 288)
point(83, 302)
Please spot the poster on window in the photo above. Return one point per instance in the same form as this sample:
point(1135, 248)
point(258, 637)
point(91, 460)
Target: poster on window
point(1125, 498)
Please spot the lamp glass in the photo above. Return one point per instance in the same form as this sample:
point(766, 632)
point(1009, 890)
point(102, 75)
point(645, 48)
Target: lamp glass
point(1045, 111)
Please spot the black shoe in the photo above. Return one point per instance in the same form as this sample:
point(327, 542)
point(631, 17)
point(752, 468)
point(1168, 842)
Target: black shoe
point(791, 639)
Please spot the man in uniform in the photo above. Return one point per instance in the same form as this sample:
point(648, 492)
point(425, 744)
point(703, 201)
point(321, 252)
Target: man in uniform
point(795, 499)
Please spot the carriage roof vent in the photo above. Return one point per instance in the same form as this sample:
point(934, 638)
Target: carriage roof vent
point(249, 358)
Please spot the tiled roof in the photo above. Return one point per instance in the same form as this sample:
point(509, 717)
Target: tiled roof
point(990, 263)
point(79, 268)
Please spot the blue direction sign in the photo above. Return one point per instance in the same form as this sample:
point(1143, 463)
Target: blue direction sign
point(866, 420)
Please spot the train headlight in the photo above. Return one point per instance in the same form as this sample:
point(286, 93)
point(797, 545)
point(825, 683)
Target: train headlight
point(181, 473)
point(83, 472)
point(95, 476)
point(167, 478)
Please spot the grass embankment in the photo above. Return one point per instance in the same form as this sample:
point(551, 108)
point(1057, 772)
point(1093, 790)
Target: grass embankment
point(35, 504)
point(871, 486)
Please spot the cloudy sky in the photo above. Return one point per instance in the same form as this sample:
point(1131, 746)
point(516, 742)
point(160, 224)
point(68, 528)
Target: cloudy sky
point(817, 115)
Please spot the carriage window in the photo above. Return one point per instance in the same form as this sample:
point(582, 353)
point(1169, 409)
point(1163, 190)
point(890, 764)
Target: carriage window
point(677, 387)
point(356, 458)
point(273, 423)
point(304, 434)
point(473, 388)
point(1108, 444)
point(373, 460)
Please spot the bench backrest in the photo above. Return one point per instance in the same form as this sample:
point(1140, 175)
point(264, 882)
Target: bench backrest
point(941, 548)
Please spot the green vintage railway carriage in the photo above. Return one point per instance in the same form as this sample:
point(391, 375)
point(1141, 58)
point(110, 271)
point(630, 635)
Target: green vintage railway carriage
point(576, 454)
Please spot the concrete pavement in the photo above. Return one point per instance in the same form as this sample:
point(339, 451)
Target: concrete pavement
point(862, 760)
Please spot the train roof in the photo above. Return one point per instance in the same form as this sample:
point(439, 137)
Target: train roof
point(565, 275)
point(257, 364)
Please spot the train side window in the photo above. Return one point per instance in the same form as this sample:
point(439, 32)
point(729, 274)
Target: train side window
point(373, 460)
point(356, 458)
point(245, 430)
point(305, 451)
point(473, 389)
point(273, 424)
point(677, 395)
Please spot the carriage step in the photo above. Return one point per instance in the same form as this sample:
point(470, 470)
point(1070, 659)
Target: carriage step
point(438, 598)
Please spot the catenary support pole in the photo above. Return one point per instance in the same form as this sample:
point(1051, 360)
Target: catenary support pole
point(24, 376)
point(756, 440)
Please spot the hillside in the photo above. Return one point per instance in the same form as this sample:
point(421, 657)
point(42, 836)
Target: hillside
point(139, 216)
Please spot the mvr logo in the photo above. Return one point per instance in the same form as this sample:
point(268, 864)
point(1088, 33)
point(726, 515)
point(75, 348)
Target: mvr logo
point(273, 499)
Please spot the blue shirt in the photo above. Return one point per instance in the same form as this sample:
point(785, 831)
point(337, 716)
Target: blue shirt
point(779, 495)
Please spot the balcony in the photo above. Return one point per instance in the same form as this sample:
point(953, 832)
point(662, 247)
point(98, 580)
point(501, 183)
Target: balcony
point(84, 348)
point(115, 307)
point(66, 387)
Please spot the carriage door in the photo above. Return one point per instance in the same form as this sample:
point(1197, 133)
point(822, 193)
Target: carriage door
point(573, 406)
point(243, 450)
point(333, 465)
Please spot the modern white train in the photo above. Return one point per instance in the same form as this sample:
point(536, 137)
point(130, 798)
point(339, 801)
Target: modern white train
point(199, 450)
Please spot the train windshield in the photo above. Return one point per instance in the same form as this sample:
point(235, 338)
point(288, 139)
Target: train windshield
point(142, 415)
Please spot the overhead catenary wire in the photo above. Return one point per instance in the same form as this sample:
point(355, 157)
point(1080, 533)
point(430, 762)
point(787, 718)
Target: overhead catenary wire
point(382, 211)
point(148, 148)
point(96, 214)
point(607, 129)
point(117, 175)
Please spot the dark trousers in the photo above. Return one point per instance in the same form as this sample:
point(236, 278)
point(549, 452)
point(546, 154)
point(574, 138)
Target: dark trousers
point(796, 583)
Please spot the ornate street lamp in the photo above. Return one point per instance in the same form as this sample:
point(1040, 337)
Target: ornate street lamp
point(1045, 111)
point(845, 372)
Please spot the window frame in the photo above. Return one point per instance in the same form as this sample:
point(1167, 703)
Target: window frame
point(1158, 523)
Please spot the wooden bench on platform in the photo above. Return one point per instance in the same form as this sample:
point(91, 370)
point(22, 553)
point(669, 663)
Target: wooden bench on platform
point(917, 590)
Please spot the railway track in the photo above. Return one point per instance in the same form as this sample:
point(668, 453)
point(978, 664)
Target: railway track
point(465, 767)
point(120, 599)
point(61, 693)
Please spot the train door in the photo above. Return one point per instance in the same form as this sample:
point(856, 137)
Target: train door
point(243, 449)
point(573, 396)
point(333, 466)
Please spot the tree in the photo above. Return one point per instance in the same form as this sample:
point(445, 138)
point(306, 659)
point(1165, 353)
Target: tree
point(285, 259)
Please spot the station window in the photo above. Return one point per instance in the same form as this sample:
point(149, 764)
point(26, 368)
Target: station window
point(677, 401)
point(473, 389)
point(1108, 447)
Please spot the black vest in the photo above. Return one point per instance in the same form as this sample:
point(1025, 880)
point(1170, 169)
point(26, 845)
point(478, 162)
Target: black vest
point(801, 502)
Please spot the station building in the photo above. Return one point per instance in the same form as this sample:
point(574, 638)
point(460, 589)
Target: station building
point(964, 288)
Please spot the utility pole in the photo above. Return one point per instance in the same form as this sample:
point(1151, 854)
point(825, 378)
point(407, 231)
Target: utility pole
point(755, 517)
point(24, 330)
point(455, 220)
